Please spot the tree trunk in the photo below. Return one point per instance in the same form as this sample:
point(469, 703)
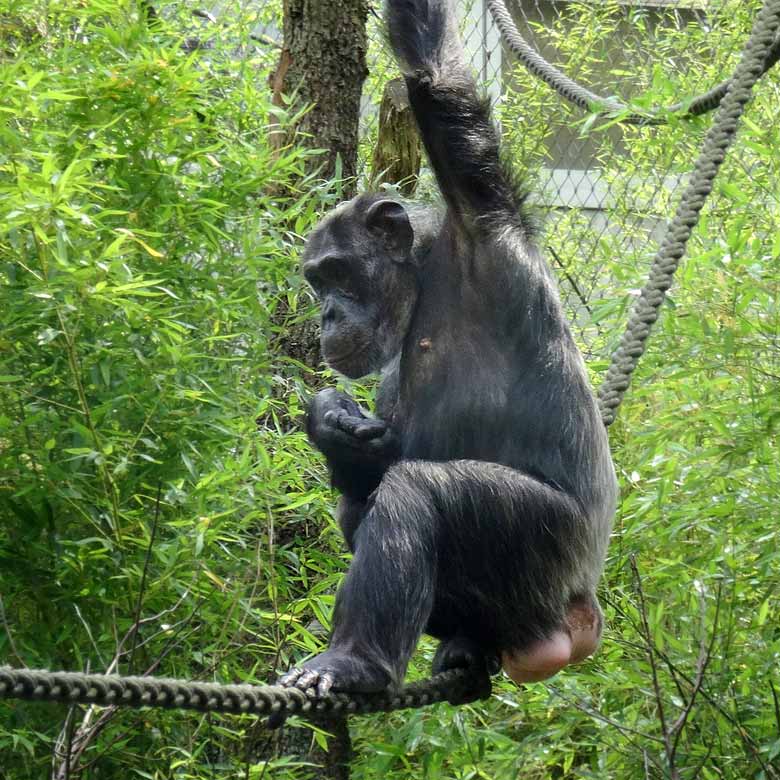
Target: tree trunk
point(398, 152)
point(331, 764)
point(323, 63)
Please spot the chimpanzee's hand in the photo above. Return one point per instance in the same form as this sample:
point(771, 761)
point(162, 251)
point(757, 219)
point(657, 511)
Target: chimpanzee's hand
point(338, 428)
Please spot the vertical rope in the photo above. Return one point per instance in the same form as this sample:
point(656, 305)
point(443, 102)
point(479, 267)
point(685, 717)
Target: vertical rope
point(586, 99)
point(667, 259)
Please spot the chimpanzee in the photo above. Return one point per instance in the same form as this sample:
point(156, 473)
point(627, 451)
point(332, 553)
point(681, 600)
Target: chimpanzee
point(478, 503)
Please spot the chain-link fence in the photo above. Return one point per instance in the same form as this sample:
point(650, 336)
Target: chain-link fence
point(603, 190)
point(608, 191)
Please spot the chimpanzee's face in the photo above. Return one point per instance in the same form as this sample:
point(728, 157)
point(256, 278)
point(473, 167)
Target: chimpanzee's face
point(358, 262)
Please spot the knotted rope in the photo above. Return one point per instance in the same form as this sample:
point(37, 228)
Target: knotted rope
point(114, 691)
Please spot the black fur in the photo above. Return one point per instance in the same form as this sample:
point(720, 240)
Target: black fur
point(478, 503)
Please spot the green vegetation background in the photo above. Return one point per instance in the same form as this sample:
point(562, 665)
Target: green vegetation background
point(160, 509)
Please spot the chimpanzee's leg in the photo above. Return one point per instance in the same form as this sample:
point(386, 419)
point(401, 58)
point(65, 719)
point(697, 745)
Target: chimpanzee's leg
point(477, 546)
point(387, 595)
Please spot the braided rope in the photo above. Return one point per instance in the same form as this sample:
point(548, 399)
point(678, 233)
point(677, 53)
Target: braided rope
point(717, 141)
point(587, 100)
point(109, 690)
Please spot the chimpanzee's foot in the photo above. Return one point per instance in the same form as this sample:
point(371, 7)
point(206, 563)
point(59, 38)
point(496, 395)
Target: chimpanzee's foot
point(574, 642)
point(337, 670)
point(462, 653)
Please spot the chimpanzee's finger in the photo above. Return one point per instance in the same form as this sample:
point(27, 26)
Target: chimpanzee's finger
point(370, 429)
point(308, 679)
point(334, 416)
point(289, 679)
point(361, 427)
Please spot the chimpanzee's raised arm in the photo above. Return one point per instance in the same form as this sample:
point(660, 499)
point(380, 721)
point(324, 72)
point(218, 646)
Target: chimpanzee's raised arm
point(454, 120)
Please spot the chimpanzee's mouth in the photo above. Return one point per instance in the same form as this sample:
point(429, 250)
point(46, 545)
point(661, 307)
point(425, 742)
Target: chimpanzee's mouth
point(343, 361)
point(344, 356)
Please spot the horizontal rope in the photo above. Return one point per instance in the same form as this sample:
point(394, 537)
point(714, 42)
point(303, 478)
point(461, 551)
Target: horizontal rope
point(115, 691)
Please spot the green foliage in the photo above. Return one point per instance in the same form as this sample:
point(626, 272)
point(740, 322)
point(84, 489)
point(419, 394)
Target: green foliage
point(150, 459)
point(160, 509)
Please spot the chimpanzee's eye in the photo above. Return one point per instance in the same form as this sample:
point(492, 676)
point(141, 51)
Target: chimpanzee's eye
point(331, 272)
point(334, 268)
point(339, 274)
point(314, 278)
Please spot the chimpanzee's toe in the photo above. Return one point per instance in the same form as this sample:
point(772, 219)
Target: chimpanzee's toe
point(288, 680)
point(338, 671)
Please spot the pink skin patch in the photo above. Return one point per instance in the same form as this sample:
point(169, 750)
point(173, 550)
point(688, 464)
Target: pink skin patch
point(574, 642)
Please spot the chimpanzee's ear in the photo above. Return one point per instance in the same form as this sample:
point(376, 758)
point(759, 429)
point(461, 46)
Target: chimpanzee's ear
point(388, 220)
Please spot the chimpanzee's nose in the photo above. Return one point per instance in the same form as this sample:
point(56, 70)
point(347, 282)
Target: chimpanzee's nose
point(329, 313)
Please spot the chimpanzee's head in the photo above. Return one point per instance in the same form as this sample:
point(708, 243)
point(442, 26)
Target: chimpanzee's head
point(360, 262)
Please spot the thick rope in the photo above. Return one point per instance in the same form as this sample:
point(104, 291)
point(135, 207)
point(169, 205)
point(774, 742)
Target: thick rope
point(717, 141)
point(587, 100)
point(113, 691)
